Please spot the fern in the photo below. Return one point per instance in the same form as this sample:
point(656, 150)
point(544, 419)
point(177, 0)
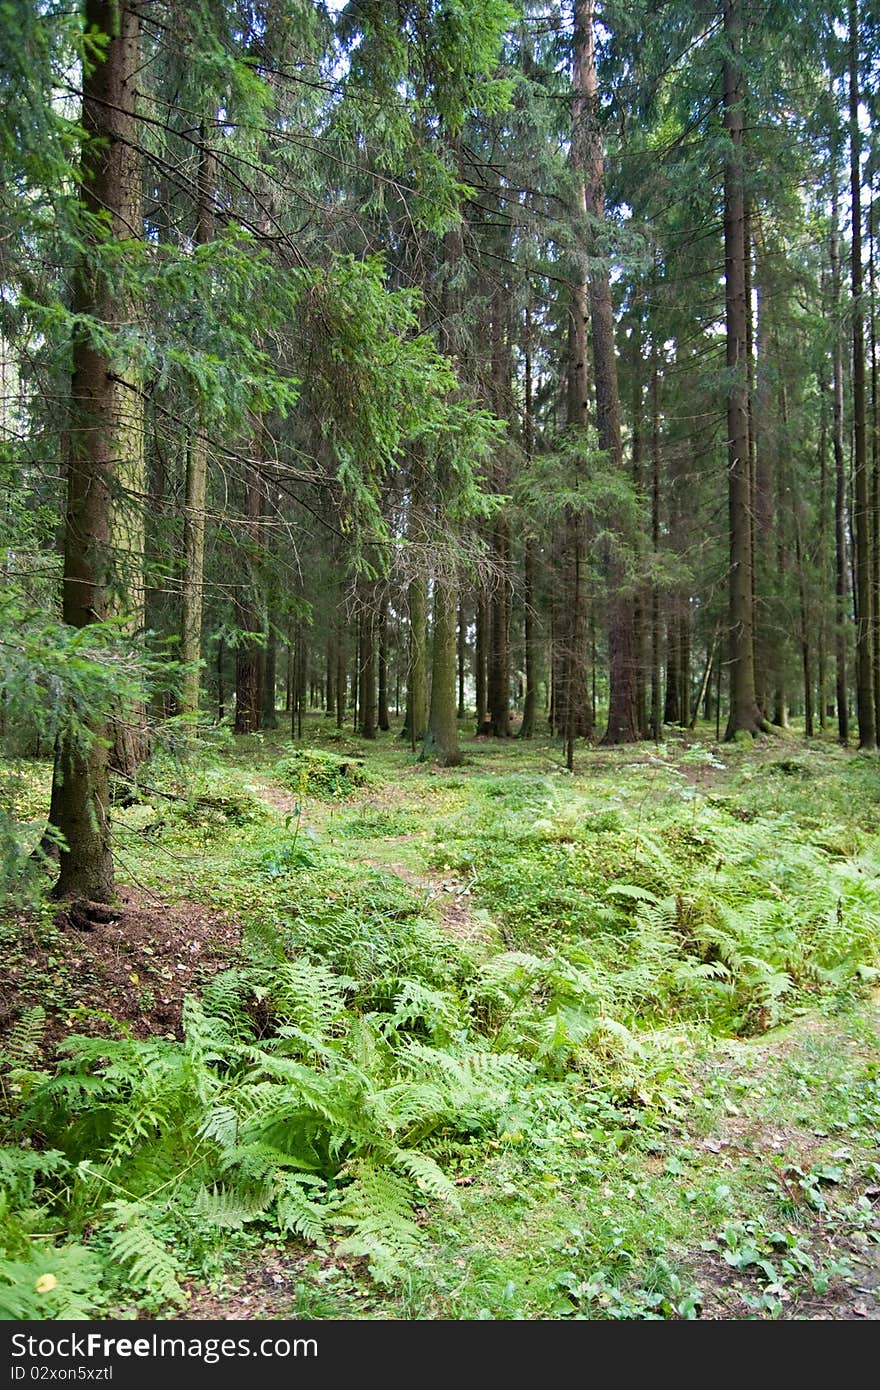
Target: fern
point(297, 1213)
point(427, 1175)
point(231, 1208)
point(150, 1267)
point(376, 1212)
point(24, 1040)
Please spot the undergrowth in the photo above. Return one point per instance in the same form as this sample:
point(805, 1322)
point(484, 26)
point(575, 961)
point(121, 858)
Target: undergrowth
point(341, 1084)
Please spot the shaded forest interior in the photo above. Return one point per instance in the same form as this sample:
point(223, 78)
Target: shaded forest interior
point(452, 394)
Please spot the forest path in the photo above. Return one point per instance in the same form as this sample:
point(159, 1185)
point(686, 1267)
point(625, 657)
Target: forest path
point(791, 1147)
point(778, 1150)
point(443, 891)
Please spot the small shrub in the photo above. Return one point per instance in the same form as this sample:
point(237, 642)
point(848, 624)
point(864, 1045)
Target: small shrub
point(321, 774)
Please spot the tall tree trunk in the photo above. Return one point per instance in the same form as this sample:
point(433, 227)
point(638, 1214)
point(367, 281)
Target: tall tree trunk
point(656, 709)
point(530, 703)
point(498, 656)
point(684, 663)
point(862, 508)
point(384, 720)
point(340, 666)
point(270, 678)
point(330, 672)
point(744, 717)
point(641, 603)
point(368, 664)
point(441, 735)
point(480, 663)
point(498, 682)
point(221, 691)
point(874, 479)
point(462, 652)
point(806, 655)
point(841, 567)
point(623, 721)
point(100, 422)
point(417, 676)
point(571, 717)
point(195, 488)
point(249, 619)
point(822, 554)
point(129, 733)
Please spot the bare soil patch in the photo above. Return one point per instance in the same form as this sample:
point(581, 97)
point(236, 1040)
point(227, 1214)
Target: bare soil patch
point(128, 975)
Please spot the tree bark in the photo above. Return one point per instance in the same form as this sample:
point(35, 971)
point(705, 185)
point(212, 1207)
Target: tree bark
point(417, 678)
point(841, 568)
point(744, 717)
point(270, 677)
point(368, 665)
point(100, 423)
point(249, 619)
point(462, 653)
point(656, 708)
point(195, 488)
point(441, 736)
point(480, 664)
point(623, 718)
point(862, 509)
point(383, 717)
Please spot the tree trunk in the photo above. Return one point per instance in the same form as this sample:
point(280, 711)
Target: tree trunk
point(874, 480)
point(498, 683)
point(530, 703)
point(270, 678)
point(656, 711)
point(498, 675)
point(100, 422)
point(641, 604)
point(462, 653)
point(821, 548)
point(195, 489)
point(417, 679)
point(744, 714)
point(862, 509)
point(623, 718)
point(340, 669)
point(368, 665)
point(671, 708)
point(841, 567)
point(480, 664)
point(248, 705)
point(384, 720)
point(441, 736)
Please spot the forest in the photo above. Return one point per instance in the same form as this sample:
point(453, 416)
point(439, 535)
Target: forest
point(439, 660)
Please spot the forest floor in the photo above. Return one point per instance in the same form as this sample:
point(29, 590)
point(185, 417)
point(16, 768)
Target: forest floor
point(681, 941)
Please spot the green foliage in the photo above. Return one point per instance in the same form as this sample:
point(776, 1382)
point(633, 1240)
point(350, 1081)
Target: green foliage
point(359, 1083)
point(661, 914)
point(325, 775)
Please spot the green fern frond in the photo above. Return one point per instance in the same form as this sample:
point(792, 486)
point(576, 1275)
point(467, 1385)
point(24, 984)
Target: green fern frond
point(21, 1047)
point(150, 1267)
point(427, 1175)
point(297, 1213)
point(376, 1211)
point(230, 1208)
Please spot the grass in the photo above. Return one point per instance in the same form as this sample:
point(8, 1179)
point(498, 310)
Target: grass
point(670, 956)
